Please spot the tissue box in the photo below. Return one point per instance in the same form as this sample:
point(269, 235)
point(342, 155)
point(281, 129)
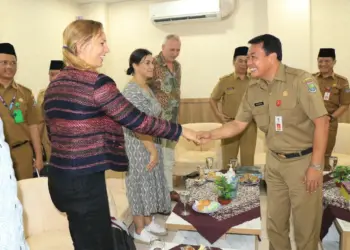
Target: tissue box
point(345, 190)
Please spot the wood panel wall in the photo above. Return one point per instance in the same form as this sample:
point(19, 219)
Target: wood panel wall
point(194, 110)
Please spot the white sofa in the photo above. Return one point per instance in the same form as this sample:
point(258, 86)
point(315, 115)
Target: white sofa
point(342, 145)
point(45, 227)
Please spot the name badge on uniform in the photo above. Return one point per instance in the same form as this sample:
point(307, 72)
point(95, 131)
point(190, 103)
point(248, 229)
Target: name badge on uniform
point(278, 123)
point(18, 116)
point(326, 96)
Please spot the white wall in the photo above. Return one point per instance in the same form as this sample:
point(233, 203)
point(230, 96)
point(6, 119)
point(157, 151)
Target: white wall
point(331, 28)
point(207, 48)
point(35, 28)
point(302, 25)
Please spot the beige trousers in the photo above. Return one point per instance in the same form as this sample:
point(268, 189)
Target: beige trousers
point(286, 194)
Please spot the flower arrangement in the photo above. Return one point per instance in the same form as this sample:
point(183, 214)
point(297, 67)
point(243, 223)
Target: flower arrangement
point(340, 174)
point(225, 190)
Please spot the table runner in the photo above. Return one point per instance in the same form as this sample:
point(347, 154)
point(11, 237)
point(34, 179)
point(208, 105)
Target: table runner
point(245, 207)
point(335, 206)
point(195, 247)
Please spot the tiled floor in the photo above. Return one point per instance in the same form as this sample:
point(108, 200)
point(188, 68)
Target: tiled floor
point(331, 242)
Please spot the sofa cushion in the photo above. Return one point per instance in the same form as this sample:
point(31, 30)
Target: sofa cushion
point(118, 199)
point(343, 159)
point(38, 207)
point(53, 240)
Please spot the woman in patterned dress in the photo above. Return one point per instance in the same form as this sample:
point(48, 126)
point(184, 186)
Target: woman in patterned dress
point(146, 185)
point(11, 221)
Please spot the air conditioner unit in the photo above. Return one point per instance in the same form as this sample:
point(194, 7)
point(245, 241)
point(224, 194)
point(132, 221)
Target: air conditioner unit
point(190, 10)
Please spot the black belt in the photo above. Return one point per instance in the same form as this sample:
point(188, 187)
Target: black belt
point(293, 155)
point(19, 144)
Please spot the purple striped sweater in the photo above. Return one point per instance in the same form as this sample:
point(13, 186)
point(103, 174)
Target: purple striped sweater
point(84, 113)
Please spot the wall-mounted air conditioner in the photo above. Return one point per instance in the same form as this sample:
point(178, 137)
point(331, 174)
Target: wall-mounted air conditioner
point(190, 10)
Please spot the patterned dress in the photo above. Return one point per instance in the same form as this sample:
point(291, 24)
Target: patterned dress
point(146, 190)
point(11, 221)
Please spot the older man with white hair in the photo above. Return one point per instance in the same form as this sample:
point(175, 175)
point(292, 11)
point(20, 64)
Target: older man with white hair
point(166, 84)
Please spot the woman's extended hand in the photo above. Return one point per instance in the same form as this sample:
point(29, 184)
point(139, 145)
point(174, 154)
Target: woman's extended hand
point(190, 134)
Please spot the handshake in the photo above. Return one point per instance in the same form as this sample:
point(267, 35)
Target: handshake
point(200, 137)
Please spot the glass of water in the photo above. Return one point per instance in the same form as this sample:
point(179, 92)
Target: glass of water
point(210, 162)
point(333, 161)
point(157, 244)
point(233, 162)
point(185, 198)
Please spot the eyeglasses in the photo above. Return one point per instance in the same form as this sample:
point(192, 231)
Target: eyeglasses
point(6, 63)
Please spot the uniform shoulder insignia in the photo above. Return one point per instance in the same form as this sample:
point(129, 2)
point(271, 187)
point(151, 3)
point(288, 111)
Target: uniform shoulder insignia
point(311, 85)
point(293, 71)
point(28, 90)
point(225, 76)
point(341, 77)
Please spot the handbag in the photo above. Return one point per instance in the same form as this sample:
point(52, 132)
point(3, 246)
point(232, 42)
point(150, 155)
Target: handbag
point(122, 240)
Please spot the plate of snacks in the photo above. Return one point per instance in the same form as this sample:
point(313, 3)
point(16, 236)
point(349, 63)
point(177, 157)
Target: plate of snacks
point(212, 175)
point(249, 179)
point(206, 206)
point(188, 248)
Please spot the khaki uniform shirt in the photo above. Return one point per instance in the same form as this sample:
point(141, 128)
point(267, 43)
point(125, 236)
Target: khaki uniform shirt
point(230, 90)
point(338, 90)
point(284, 109)
point(40, 98)
point(16, 133)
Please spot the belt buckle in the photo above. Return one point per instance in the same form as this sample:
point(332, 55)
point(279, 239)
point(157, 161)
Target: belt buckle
point(282, 156)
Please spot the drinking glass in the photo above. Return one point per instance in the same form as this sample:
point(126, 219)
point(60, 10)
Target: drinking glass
point(185, 198)
point(333, 161)
point(201, 171)
point(157, 244)
point(210, 162)
point(234, 162)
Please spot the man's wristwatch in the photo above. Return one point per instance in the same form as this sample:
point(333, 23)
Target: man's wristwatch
point(316, 167)
point(331, 117)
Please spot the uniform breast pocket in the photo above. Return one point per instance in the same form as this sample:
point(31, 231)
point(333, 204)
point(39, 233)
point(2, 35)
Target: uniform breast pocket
point(334, 95)
point(289, 110)
point(230, 91)
point(262, 118)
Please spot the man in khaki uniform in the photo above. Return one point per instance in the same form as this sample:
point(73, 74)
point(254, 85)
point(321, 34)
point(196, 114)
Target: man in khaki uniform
point(336, 95)
point(19, 115)
point(55, 67)
point(229, 91)
point(287, 106)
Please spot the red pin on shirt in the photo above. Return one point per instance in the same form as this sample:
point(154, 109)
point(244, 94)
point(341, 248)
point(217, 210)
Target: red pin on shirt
point(278, 103)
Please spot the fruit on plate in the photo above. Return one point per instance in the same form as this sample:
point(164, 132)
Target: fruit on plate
point(206, 206)
point(211, 174)
point(189, 248)
point(249, 178)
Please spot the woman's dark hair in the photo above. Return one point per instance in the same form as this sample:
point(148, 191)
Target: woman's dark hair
point(136, 57)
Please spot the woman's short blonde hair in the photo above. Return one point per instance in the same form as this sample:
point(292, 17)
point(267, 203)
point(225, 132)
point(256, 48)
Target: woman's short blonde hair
point(79, 31)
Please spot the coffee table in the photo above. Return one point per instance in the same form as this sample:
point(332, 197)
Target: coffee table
point(344, 230)
point(169, 245)
point(253, 227)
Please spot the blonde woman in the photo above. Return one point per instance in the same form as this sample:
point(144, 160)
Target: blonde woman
point(85, 114)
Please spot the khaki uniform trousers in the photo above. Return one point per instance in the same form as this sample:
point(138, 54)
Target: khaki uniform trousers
point(246, 142)
point(22, 158)
point(332, 135)
point(286, 194)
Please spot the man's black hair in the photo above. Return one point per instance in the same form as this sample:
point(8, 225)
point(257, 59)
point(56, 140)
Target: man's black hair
point(270, 44)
